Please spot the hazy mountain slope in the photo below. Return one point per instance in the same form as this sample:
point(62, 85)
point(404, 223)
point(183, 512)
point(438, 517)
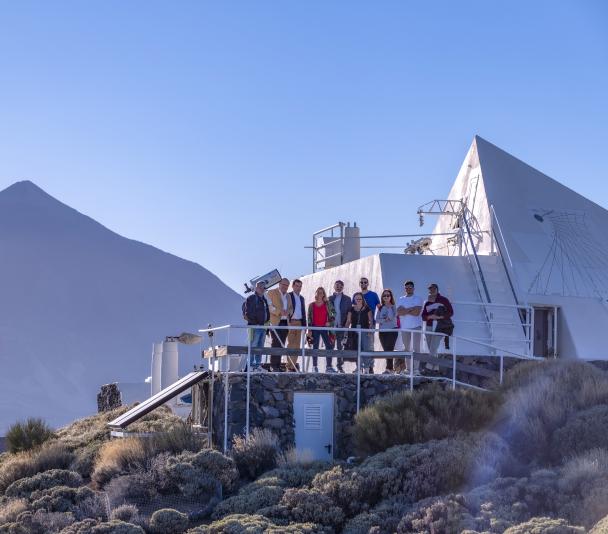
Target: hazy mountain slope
point(81, 305)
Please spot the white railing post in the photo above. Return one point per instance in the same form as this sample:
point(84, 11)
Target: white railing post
point(303, 345)
point(248, 384)
point(358, 369)
point(411, 367)
point(225, 413)
point(501, 367)
point(453, 364)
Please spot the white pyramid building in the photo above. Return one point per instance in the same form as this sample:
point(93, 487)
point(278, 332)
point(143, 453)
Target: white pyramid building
point(518, 238)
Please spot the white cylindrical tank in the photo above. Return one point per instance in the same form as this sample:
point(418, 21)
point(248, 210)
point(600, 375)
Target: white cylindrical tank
point(157, 358)
point(169, 368)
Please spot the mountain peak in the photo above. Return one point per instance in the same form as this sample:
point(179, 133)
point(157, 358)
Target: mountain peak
point(25, 190)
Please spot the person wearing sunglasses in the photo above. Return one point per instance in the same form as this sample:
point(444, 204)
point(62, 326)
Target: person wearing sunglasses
point(386, 317)
point(409, 307)
point(360, 316)
point(373, 302)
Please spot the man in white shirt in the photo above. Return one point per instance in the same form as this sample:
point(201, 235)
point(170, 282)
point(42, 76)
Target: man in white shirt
point(297, 318)
point(409, 307)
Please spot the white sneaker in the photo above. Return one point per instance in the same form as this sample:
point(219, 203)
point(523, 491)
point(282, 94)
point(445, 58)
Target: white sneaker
point(330, 370)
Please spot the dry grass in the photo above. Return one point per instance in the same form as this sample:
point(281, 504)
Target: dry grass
point(257, 454)
point(26, 464)
point(118, 457)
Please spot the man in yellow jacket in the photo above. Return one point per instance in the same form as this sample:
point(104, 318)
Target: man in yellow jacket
point(281, 310)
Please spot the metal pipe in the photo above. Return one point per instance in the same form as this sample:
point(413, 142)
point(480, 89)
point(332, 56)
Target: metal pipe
point(248, 384)
point(501, 367)
point(225, 413)
point(359, 370)
point(454, 365)
point(411, 370)
point(303, 345)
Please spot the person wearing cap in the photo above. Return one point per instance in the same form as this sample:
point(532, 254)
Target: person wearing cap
point(342, 304)
point(256, 313)
point(437, 312)
point(409, 307)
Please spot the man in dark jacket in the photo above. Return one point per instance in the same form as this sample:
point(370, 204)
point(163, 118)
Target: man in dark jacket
point(342, 304)
point(297, 318)
point(437, 312)
point(256, 313)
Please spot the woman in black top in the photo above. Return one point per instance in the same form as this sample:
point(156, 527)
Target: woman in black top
point(360, 316)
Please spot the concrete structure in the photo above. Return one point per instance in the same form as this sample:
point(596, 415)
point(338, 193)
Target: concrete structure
point(506, 235)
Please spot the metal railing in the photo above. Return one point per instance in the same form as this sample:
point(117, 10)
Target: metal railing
point(406, 355)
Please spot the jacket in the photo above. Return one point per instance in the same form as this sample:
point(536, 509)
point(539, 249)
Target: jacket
point(345, 305)
point(256, 310)
point(275, 304)
point(430, 307)
point(292, 296)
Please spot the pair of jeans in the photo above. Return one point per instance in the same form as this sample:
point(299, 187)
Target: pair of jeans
point(317, 335)
point(388, 340)
point(257, 336)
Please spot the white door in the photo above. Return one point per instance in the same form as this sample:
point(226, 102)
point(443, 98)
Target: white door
point(314, 418)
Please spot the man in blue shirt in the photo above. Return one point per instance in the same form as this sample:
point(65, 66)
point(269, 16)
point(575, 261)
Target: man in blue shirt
point(371, 297)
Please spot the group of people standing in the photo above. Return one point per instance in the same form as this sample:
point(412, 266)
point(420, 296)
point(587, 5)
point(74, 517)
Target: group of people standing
point(279, 308)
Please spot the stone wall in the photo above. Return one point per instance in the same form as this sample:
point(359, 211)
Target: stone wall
point(108, 398)
point(271, 404)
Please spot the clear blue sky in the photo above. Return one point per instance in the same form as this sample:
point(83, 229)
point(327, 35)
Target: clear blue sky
point(227, 132)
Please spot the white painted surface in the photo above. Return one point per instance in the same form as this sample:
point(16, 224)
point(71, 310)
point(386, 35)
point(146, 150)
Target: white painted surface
point(169, 366)
point(314, 424)
point(157, 357)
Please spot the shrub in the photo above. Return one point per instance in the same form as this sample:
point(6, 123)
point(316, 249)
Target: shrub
point(544, 525)
point(27, 464)
point(312, 506)
point(127, 513)
point(437, 514)
point(24, 436)
point(257, 454)
point(137, 488)
point(60, 498)
point(250, 500)
point(178, 438)
point(10, 509)
point(168, 520)
point(52, 521)
point(583, 431)
point(85, 458)
point(601, 527)
point(254, 524)
point(190, 467)
point(540, 397)
point(429, 413)
point(90, 526)
point(117, 457)
point(55, 477)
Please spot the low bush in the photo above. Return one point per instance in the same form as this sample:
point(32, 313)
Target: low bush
point(254, 524)
point(178, 438)
point(118, 457)
point(137, 488)
point(41, 481)
point(28, 434)
point(51, 521)
point(540, 398)
point(194, 467)
point(60, 498)
point(168, 520)
point(10, 509)
point(437, 514)
point(85, 458)
point(127, 513)
point(90, 526)
point(545, 525)
point(429, 413)
point(601, 527)
point(257, 454)
point(583, 431)
point(27, 464)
